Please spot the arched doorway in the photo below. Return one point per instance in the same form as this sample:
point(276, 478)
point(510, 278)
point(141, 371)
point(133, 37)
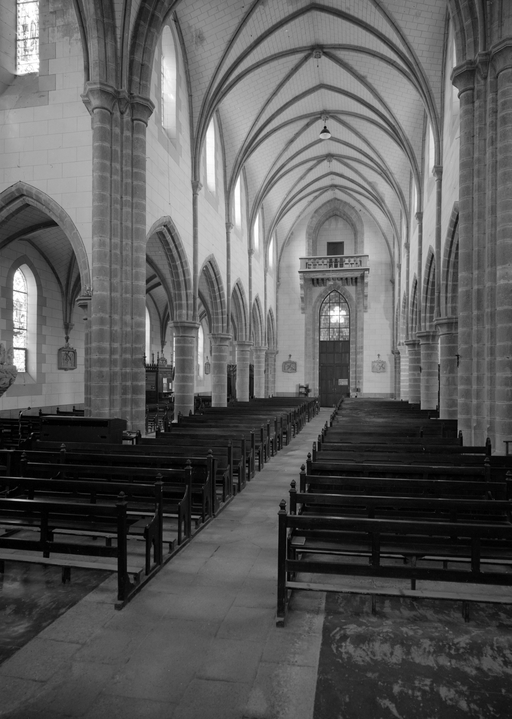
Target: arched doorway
point(334, 349)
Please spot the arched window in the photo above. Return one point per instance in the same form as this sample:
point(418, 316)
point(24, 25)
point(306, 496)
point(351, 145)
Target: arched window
point(210, 156)
point(27, 36)
point(148, 336)
point(431, 149)
point(20, 320)
point(256, 234)
point(168, 83)
point(200, 352)
point(334, 318)
point(271, 250)
point(238, 203)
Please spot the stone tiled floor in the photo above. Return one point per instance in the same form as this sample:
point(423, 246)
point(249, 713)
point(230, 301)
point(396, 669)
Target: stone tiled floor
point(199, 641)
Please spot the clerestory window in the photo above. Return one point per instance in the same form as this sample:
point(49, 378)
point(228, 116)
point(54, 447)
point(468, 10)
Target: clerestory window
point(20, 320)
point(168, 83)
point(27, 36)
point(334, 318)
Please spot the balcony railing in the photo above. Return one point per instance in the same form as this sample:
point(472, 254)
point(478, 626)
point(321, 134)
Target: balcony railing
point(334, 262)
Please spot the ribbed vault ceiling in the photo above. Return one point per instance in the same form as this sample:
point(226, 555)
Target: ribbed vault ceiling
point(272, 68)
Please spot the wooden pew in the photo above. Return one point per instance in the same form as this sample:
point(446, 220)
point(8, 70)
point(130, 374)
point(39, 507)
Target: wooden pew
point(42, 546)
point(173, 500)
point(178, 481)
point(405, 506)
point(202, 469)
point(391, 469)
point(397, 548)
point(457, 486)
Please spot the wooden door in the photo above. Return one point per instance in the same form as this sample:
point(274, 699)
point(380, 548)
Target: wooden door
point(334, 363)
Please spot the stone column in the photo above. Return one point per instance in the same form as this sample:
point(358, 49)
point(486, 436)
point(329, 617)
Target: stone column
point(221, 346)
point(243, 355)
point(196, 189)
point(448, 374)
point(463, 77)
point(438, 174)
point(185, 363)
point(271, 373)
point(419, 272)
point(84, 303)
point(229, 230)
point(404, 373)
point(117, 310)
point(259, 371)
point(429, 360)
point(502, 61)
point(413, 352)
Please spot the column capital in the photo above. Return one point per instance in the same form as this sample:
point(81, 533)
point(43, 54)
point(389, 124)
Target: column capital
point(501, 56)
point(244, 344)
point(447, 325)
point(437, 171)
point(426, 337)
point(220, 338)
point(185, 328)
point(196, 187)
point(99, 96)
point(463, 76)
point(412, 344)
point(419, 216)
point(229, 226)
point(260, 348)
point(142, 108)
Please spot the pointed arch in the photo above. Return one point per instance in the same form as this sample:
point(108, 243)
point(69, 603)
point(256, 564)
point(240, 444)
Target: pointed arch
point(22, 195)
point(239, 311)
point(271, 330)
point(211, 289)
point(257, 325)
point(429, 292)
point(333, 207)
point(166, 253)
point(450, 270)
point(413, 311)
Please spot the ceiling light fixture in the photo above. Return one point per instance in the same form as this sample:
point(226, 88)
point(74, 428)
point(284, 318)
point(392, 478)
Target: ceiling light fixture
point(325, 134)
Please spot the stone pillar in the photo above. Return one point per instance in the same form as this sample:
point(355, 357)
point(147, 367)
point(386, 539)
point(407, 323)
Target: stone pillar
point(429, 360)
point(396, 382)
point(259, 371)
point(463, 77)
point(84, 303)
point(502, 61)
point(448, 374)
point(438, 174)
point(185, 363)
point(404, 373)
point(419, 272)
point(243, 355)
point(270, 380)
point(413, 352)
point(196, 189)
point(117, 310)
point(229, 230)
point(221, 346)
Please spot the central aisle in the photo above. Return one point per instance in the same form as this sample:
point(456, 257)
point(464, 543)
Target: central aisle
point(199, 641)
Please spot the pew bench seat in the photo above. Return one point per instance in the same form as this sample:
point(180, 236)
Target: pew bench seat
point(341, 547)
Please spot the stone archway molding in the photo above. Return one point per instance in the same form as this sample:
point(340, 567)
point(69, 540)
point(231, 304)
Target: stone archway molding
point(333, 207)
point(15, 197)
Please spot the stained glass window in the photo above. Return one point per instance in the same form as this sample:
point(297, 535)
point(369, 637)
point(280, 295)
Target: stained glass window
point(238, 203)
point(334, 318)
point(19, 317)
point(27, 36)
point(210, 156)
point(168, 82)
